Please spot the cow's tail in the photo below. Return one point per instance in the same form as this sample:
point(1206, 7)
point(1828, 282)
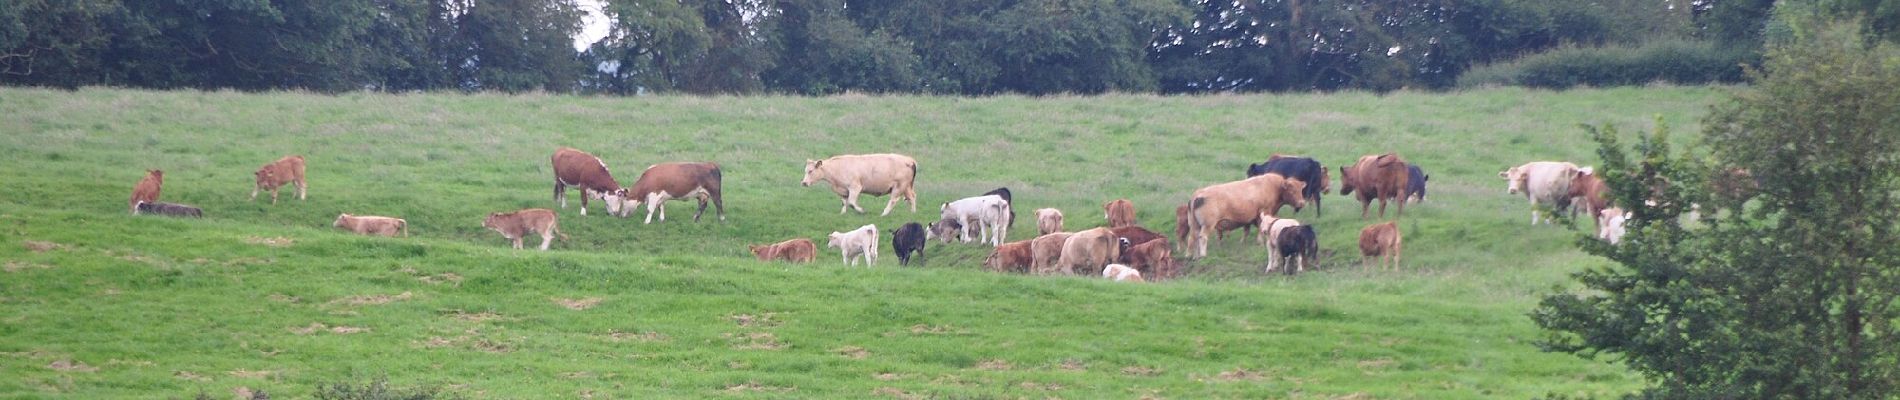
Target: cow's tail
point(557, 230)
point(403, 225)
point(1196, 226)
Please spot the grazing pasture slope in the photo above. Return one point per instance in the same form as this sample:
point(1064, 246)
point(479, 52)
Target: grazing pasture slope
point(97, 303)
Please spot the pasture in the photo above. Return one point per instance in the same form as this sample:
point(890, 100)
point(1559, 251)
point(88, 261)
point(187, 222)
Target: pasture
point(95, 303)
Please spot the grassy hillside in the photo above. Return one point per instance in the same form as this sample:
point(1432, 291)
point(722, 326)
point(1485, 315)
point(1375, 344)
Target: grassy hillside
point(99, 304)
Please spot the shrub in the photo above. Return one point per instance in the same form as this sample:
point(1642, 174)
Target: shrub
point(1674, 61)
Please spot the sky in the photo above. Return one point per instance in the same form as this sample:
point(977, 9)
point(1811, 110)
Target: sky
point(593, 26)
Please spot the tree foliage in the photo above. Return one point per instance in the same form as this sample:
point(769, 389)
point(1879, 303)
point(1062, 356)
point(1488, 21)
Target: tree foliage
point(1784, 289)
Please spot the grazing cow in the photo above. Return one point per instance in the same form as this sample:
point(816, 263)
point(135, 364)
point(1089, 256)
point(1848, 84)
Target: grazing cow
point(518, 224)
point(1010, 257)
point(1045, 251)
point(800, 250)
point(1220, 232)
point(1294, 247)
point(1004, 193)
point(1121, 212)
point(1152, 258)
point(673, 181)
point(287, 170)
point(1381, 177)
point(1270, 230)
point(1121, 273)
point(1048, 220)
point(146, 190)
point(909, 239)
point(1381, 240)
point(1543, 182)
point(944, 229)
point(1087, 250)
point(859, 241)
point(1302, 169)
point(169, 209)
point(1136, 235)
point(576, 168)
point(872, 174)
point(1240, 201)
point(986, 217)
point(1415, 184)
point(372, 225)
point(1610, 224)
point(1588, 193)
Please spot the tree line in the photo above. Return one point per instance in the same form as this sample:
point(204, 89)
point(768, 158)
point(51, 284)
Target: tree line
point(966, 47)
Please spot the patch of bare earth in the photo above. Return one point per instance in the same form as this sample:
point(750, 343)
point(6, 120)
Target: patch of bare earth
point(269, 241)
point(37, 246)
point(371, 300)
point(887, 376)
point(1138, 370)
point(1240, 374)
point(1041, 386)
point(1354, 396)
point(763, 320)
point(897, 393)
point(70, 365)
point(1375, 365)
point(922, 329)
point(190, 376)
point(1072, 365)
point(756, 387)
point(437, 279)
point(577, 304)
point(249, 374)
point(284, 298)
point(649, 336)
point(993, 365)
point(17, 266)
point(852, 352)
point(754, 341)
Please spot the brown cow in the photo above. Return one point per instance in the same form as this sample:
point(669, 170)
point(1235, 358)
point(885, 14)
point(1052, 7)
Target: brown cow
point(274, 175)
point(1088, 251)
point(1048, 220)
point(676, 180)
point(576, 168)
point(1136, 235)
point(1010, 257)
point(372, 225)
point(146, 190)
point(1588, 193)
point(872, 174)
point(800, 250)
point(1383, 177)
point(1045, 250)
point(1220, 232)
point(515, 225)
point(1240, 201)
point(1381, 240)
point(1121, 212)
point(1153, 259)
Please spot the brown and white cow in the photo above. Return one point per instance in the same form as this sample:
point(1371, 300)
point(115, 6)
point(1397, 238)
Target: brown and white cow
point(576, 168)
point(1048, 220)
point(872, 174)
point(861, 241)
point(1383, 241)
point(276, 174)
point(1270, 229)
point(676, 181)
point(1089, 250)
point(1045, 251)
point(372, 225)
point(1240, 202)
point(1153, 258)
point(1588, 193)
point(800, 250)
point(1543, 182)
point(1136, 235)
point(1121, 273)
point(1010, 257)
point(1382, 177)
point(146, 191)
point(1120, 213)
point(518, 224)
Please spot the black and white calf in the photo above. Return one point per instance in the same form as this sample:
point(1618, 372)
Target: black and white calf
point(907, 239)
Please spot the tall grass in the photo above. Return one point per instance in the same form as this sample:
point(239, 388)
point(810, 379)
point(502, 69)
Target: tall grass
point(98, 304)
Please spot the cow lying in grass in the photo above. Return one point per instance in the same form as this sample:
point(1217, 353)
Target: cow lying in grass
point(372, 225)
point(169, 209)
point(800, 250)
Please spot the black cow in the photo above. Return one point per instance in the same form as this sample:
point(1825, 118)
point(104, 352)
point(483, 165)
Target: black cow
point(175, 210)
point(1296, 241)
point(1304, 169)
point(1415, 188)
point(908, 238)
point(1004, 193)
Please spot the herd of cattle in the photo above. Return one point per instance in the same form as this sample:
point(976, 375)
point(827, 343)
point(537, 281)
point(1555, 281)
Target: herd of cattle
point(1122, 250)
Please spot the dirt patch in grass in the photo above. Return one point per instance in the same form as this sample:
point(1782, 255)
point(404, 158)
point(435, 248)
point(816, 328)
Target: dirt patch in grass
point(1138, 370)
point(437, 279)
point(922, 329)
point(993, 365)
point(852, 352)
point(887, 376)
point(1072, 365)
point(484, 316)
point(37, 246)
point(763, 320)
point(316, 327)
point(249, 374)
point(1373, 365)
point(371, 300)
point(1240, 374)
point(577, 304)
point(1041, 386)
point(755, 341)
point(750, 386)
point(190, 376)
point(269, 241)
point(896, 393)
point(284, 298)
point(17, 266)
point(648, 336)
point(70, 365)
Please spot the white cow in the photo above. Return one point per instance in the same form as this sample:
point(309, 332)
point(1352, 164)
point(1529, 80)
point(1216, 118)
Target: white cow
point(860, 241)
point(1610, 224)
point(985, 216)
point(1121, 273)
point(1543, 182)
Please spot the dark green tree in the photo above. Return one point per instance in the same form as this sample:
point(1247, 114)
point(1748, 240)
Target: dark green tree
point(512, 45)
point(1789, 293)
point(821, 51)
point(693, 46)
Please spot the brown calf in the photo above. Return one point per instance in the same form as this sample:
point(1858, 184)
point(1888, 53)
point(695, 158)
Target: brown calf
point(1588, 193)
point(1045, 250)
point(372, 225)
point(800, 250)
point(1121, 212)
point(1153, 259)
point(1011, 257)
point(287, 170)
point(146, 190)
point(1381, 240)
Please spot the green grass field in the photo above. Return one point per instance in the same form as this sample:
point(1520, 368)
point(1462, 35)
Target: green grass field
point(95, 303)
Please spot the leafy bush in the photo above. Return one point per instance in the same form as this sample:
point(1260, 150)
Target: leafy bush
point(1674, 61)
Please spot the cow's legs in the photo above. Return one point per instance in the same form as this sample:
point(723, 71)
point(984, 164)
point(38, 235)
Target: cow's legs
point(560, 192)
point(851, 199)
point(893, 204)
point(1401, 213)
point(546, 237)
point(302, 189)
point(273, 195)
point(1381, 208)
point(1365, 207)
point(1271, 259)
point(718, 202)
point(651, 206)
point(517, 242)
point(702, 208)
point(253, 193)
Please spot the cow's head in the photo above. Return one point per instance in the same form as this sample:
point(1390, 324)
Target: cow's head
point(944, 229)
point(339, 220)
point(493, 221)
point(1325, 181)
point(1293, 192)
point(616, 200)
point(1345, 180)
point(263, 176)
point(155, 173)
point(1514, 178)
point(811, 172)
point(833, 239)
point(757, 250)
